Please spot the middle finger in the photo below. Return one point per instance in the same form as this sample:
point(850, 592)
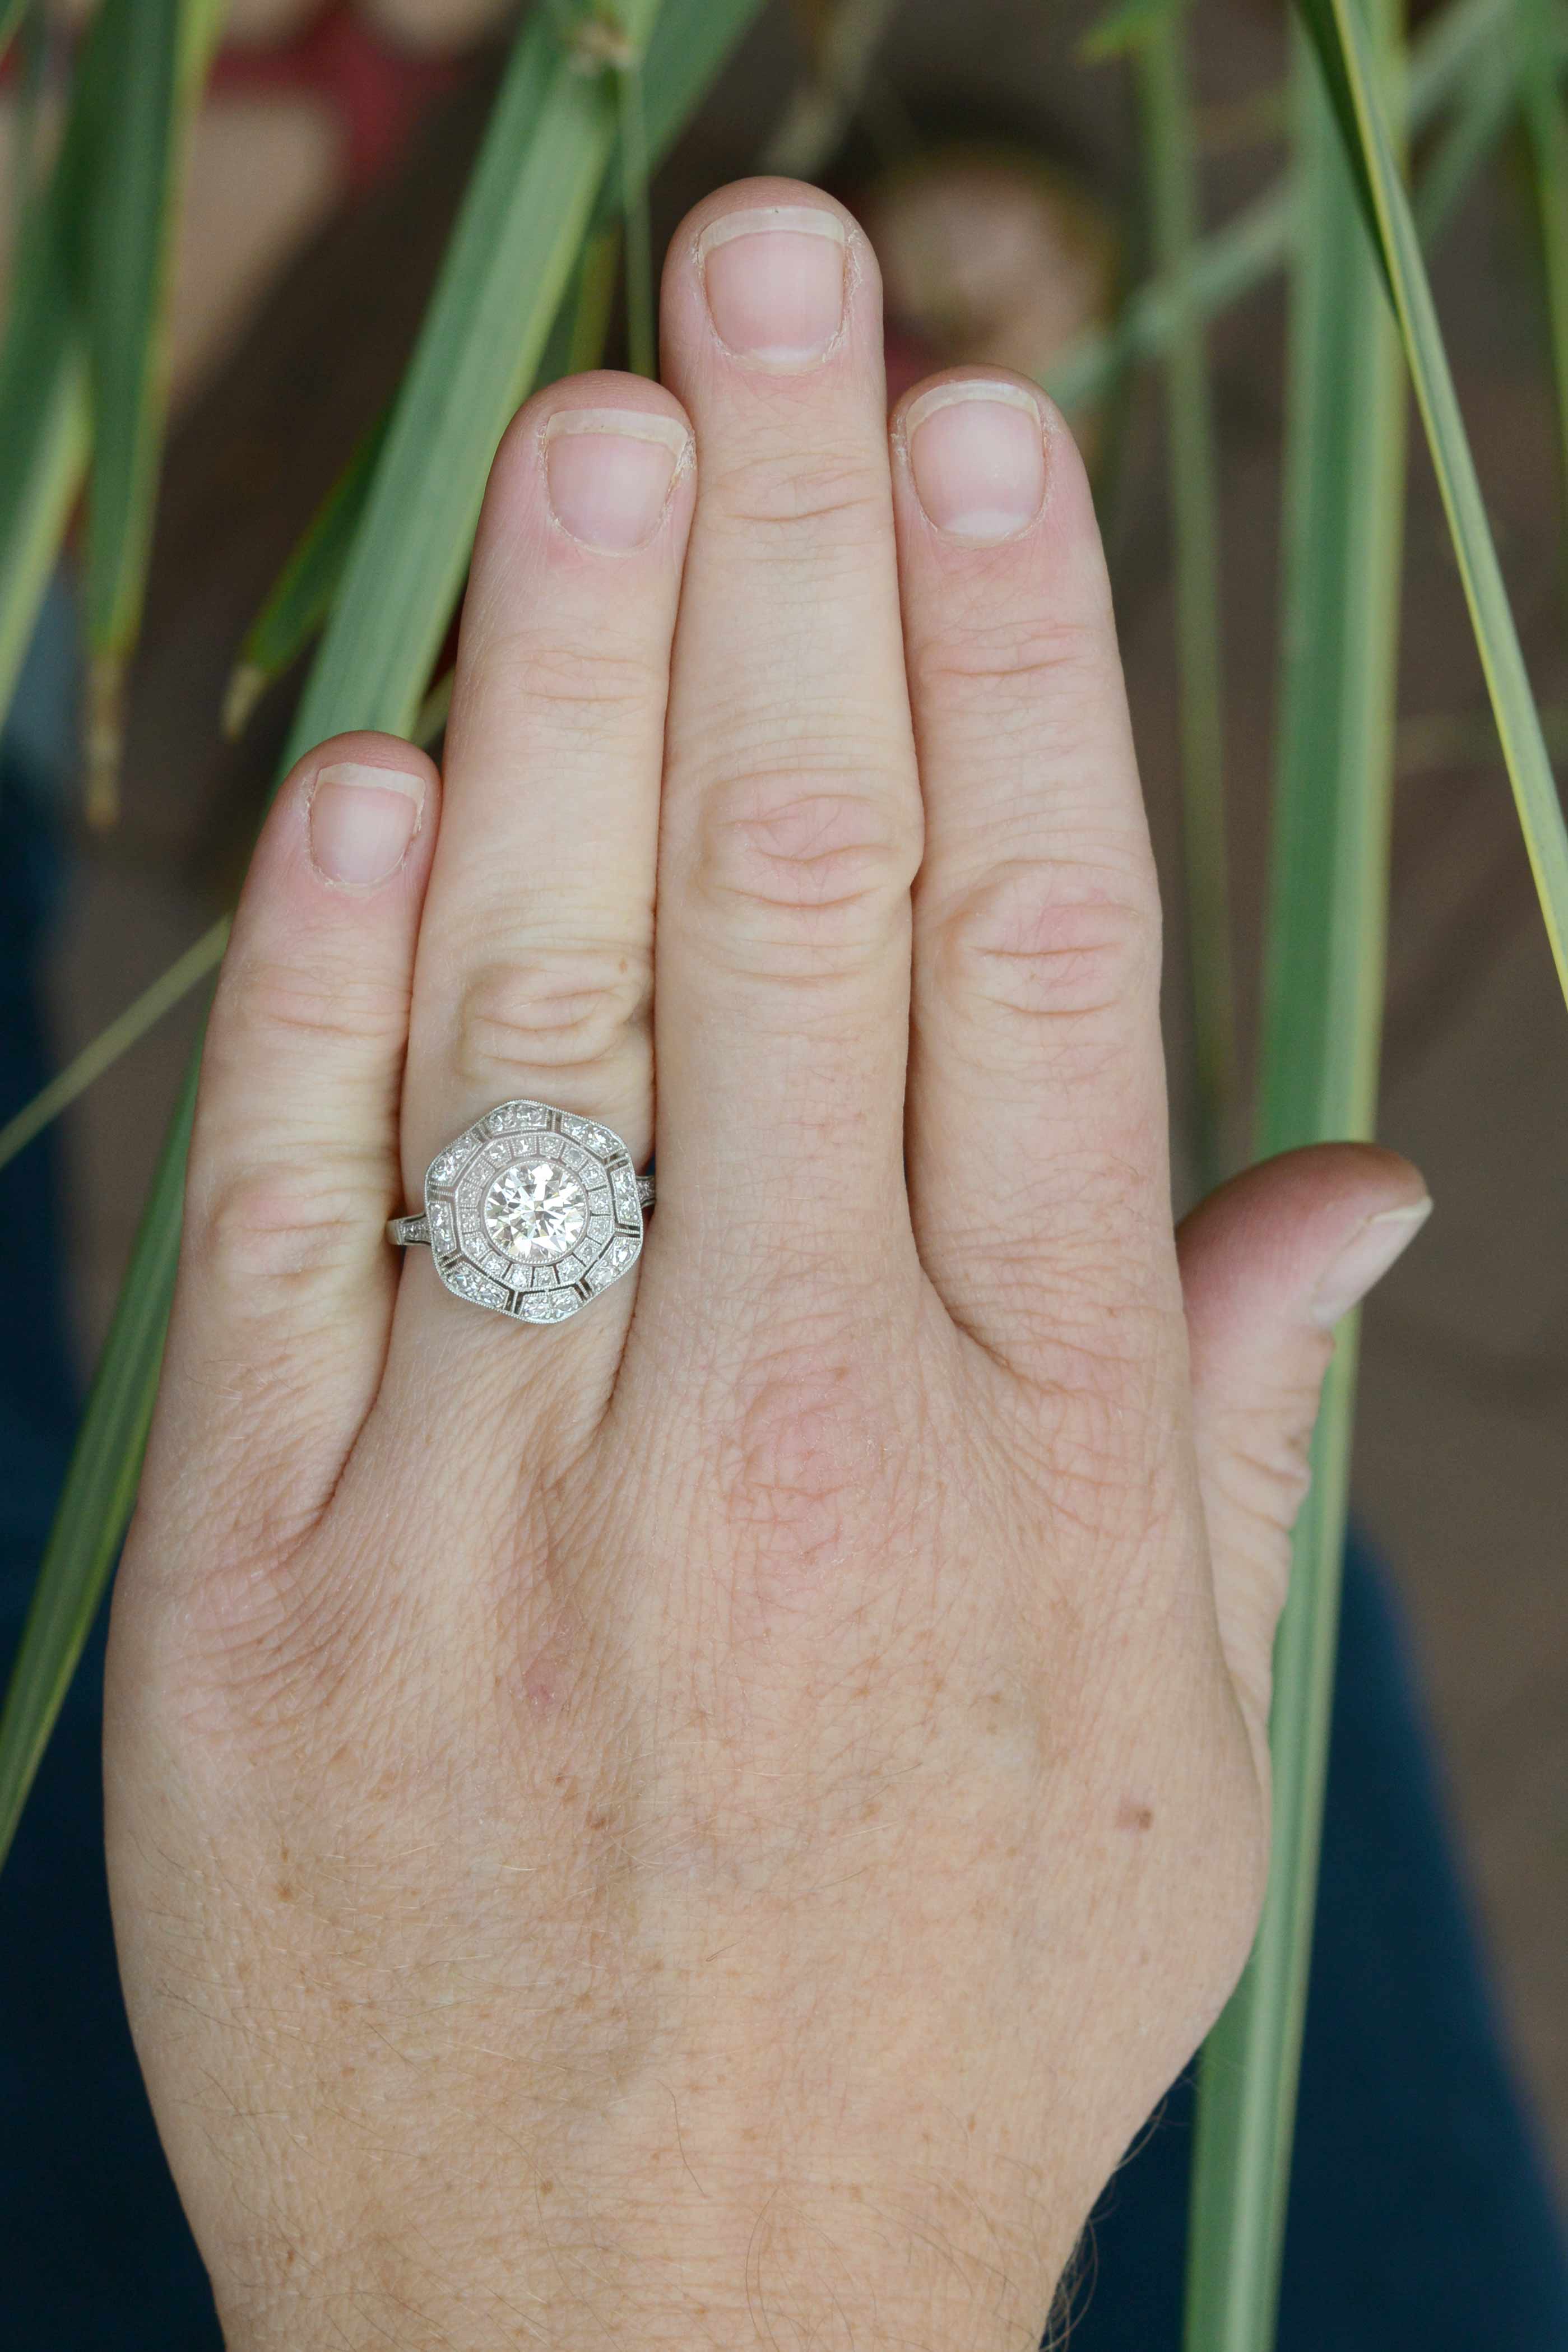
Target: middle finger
point(791, 817)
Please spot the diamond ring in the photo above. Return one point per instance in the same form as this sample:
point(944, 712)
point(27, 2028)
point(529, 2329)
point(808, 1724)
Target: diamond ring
point(531, 1211)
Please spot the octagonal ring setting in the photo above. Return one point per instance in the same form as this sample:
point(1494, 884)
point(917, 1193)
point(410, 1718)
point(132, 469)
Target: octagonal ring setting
point(531, 1212)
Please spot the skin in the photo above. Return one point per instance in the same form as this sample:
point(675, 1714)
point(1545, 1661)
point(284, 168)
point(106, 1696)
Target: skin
point(713, 1824)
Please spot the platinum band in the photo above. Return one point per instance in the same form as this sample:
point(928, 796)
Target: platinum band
point(414, 1232)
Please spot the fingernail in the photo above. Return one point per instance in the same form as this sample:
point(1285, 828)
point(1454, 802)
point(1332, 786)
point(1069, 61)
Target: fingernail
point(977, 452)
point(608, 472)
point(1365, 1259)
point(774, 281)
point(361, 821)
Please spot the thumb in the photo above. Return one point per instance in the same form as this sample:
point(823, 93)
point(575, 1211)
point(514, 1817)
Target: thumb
point(1269, 1263)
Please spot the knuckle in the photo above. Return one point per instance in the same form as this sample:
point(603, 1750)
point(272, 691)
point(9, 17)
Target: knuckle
point(794, 496)
point(1045, 661)
point(805, 1450)
point(560, 1008)
point(808, 845)
point(1049, 945)
point(263, 1232)
point(266, 999)
point(575, 688)
point(1261, 1451)
point(1106, 1350)
point(1021, 663)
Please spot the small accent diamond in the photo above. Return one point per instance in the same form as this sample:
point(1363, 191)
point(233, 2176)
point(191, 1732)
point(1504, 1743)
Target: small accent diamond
point(476, 1287)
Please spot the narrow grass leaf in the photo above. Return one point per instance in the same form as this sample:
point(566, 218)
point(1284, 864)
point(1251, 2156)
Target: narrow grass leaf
point(44, 408)
point(1124, 29)
point(1536, 27)
point(1230, 263)
point(100, 1485)
point(301, 597)
point(1486, 107)
point(1318, 1080)
point(1170, 148)
point(1338, 29)
point(11, 15)
point(145, 65)
point(845, 43)
point(642, 356)
point(29, 89)
point(587, 327)
point(546, 151)
point(145, 1012)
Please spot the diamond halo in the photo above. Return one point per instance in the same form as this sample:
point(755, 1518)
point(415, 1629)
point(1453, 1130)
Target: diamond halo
point(532, 1212)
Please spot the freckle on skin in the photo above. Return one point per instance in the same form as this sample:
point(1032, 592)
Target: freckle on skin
point(1130, 1815)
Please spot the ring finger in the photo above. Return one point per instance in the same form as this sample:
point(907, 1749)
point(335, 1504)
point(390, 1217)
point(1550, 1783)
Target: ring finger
point(535, 954)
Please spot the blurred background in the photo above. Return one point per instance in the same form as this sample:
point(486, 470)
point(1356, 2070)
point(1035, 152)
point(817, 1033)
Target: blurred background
point(1001, 176)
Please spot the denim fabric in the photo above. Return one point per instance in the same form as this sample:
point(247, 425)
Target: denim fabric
point(1420, 2214)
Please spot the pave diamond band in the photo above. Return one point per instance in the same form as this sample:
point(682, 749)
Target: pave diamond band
point(531, 1212)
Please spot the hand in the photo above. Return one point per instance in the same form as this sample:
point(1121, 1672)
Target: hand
point(712, 1824)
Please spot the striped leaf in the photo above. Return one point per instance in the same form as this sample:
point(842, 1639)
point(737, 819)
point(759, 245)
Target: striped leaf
point(301, 597)
point(1536, 32)
point(1225, 267)
point(44, 408)
point(1341, 38)
point(1170, 147)
point(81, 364)
point(1318, 1081)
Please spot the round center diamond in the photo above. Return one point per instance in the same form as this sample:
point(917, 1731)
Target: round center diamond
point(535, 1210)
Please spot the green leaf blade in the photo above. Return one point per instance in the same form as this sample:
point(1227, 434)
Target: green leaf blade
point(1228, 264)
point(302, 594)
point(142, 71)
point(45, 411)
point(1322, 1014)
point(1537, 39)
point(1193, 473)
point(1491, 618)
